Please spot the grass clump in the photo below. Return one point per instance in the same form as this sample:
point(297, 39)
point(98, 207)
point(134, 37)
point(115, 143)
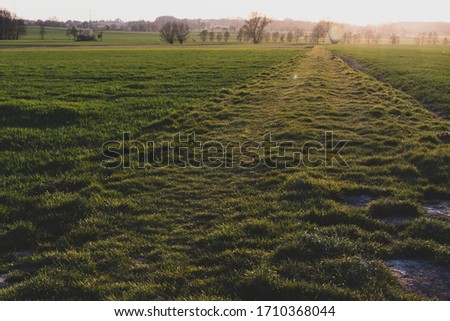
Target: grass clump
point(391, 207)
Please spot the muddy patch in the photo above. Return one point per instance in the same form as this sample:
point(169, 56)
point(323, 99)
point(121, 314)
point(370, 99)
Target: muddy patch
point(397, 220)
point(422, 277)
point(3, 282)
point(19, 254)
point(358, 200)
point(353, 63)
point(438, 209)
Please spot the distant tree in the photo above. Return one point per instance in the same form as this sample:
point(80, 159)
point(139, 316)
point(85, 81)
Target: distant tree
point(369, 34)
point(226, 36)
point(203, 35)
point(445, 42)
point(73, 32)
point(319, 32)
point(240, 35)
point(211, 36)
point(394, 39)
point(429, 37)
point(181, 32)
point(347, 37)
point(172, 31)
point(267, 36)
point(11, 28)
point(254, 27)
point(219, 37)
point(417, 39)
point(282, 37)
point(168, 31)
point(100, 36)
point(42, 31)
point(423, 36)
point(275, 36)
point(356, 38)
point(290, 36)
point(327, 27)
point(434, 38)
point(376, 39)
point(298, 34)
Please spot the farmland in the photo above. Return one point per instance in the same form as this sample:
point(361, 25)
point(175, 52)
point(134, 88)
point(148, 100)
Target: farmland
point(421, 71)
point(72, 229)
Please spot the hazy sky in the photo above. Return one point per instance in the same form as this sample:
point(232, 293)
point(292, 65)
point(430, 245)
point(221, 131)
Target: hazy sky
point(351, 11)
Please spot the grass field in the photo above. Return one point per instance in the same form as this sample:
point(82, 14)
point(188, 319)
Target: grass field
point(70, 229)
point(421, 71)
point(56, 37)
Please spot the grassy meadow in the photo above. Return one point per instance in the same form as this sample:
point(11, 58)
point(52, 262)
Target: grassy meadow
point(421, 71)
point(71, 229)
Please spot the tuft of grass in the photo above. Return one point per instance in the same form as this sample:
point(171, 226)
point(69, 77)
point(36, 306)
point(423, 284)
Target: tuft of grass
point(391, 207)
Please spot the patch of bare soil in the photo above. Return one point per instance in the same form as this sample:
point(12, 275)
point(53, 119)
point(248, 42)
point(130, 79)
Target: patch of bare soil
point(439, 209)
point(358, 200)
point(422, 277)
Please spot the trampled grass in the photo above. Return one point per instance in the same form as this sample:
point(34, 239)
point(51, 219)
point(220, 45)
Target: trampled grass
point(73, 230)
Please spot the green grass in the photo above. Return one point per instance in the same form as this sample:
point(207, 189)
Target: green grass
point(70, 229)
point(56, 37)
point(421, 71)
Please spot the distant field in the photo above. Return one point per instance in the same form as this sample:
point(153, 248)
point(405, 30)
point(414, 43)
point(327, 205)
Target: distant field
point(421, 71)
point(73, 230)
point(57, 37)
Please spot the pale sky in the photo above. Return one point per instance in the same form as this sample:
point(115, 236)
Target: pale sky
point(360, 12)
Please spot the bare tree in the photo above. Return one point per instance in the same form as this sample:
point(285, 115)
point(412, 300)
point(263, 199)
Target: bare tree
point(369, 34)
point(347, 37)
point(417, 39)
point(394, 39)
point(173, 30)
point(182, 32)
point(168, 32)
point(298, 34)
point(203, 35)
point(434, 38)
point(275, 36)
point(254, 27)
point(290, 36)
point(282, 37)
point(429, 37)
point(376, 39)
point(211, 36)
point(226, 36)
point(327, 26)
point(240, 35)
point(42, 32)
point(318, 32)
point(267, 36)
point(356, 38)
point(219, 37)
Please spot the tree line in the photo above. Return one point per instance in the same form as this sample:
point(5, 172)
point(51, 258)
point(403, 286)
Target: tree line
point(11, 27)
point(253, 30)
point(429, 38)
